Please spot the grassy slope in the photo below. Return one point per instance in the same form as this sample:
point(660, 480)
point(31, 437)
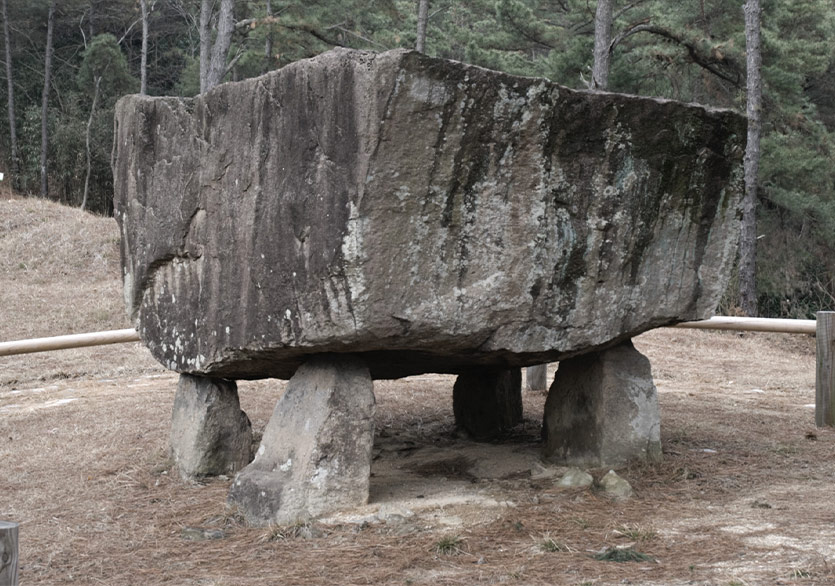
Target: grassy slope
point(59, 274)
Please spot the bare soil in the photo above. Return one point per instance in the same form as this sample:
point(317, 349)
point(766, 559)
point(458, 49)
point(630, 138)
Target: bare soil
point(743, 495)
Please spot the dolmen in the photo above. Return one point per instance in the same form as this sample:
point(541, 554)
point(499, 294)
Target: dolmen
point(362, 216)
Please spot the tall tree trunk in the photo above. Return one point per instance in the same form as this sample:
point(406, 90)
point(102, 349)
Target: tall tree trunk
point(213, 55)
point(423, 16)
point(268, 45)
point(602, 42)
point(143, 63)
point(748, 236)
point(47, 80)
point(91, 22)
point(205, 42)
point(87, 142)
point(15, 166)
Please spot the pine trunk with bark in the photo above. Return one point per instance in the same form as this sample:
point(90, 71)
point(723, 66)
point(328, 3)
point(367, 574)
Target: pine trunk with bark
point(87, 141)
point(213, 55)
point(45, 100)
point(423, 17)
point(143, 64)
point(205, 41)
point(15, 162)
point(748, 235)
point(268, 44)
point(602, 44)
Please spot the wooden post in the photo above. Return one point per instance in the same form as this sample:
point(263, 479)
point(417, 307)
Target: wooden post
point(536, 378)
point(825, 375)
point(8, 553)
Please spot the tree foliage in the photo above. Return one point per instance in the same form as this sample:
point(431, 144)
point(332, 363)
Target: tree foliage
point(691, 51)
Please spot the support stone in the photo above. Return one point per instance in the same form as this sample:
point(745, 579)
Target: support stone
point(210, 435)
point(487, 401)
point(602, 410)
point(536, 378)
point(315, 456)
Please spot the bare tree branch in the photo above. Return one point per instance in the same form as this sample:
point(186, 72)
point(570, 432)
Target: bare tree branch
point(130, 28)
point(696, 55)
point(359, 36)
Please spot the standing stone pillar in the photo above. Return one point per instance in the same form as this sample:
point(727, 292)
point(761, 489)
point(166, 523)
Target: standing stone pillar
point(210, 435)
point(536, 378)
point(602, 410)
point(315, 456)
point(487, 401)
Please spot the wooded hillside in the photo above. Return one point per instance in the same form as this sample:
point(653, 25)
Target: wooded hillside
point(67, 62)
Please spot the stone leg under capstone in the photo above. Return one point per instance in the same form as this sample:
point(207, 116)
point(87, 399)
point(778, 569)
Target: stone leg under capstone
point(315, 455)
point(602, 410)
point(536, 378)
point(210, 435)
point(487, 401)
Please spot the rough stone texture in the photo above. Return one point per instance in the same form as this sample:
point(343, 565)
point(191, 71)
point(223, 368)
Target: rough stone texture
point(210, 435)
point(315, 456)
point(431, 215)
point(575, 478)
point(487, 401)
point(602, 410)
point(615, 486)
point(543, 470)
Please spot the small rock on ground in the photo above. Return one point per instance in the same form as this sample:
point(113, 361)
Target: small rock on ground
point(540, 471)
point(615, 486)
point(575, 478)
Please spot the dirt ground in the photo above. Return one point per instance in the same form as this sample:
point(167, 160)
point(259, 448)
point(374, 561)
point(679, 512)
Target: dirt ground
point(743, 495)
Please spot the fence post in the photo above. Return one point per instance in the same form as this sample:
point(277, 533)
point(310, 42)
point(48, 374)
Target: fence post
point(825, 372)
point(8, 553)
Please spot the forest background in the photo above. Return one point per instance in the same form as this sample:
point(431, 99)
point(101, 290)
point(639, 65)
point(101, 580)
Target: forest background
point(90, 52)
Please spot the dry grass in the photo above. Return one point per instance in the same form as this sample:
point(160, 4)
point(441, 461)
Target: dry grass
point(59, 274)
point(742, 495)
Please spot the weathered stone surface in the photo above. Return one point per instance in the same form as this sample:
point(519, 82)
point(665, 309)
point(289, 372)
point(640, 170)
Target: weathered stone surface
point(210, 435)
point(575, 478)
point(543, 470)
point(430, 215)
point(615, 486)
point(487, 401)
point(602, 410)
point(315, 456)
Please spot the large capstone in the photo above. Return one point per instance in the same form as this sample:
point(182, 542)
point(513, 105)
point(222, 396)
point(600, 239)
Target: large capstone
point(315, 455)
point(426, 214)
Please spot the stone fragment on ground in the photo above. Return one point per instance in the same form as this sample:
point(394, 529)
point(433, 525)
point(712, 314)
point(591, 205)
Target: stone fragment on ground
point(544, 471)
point(210, 434)
point(615, 486)
point(602, 410)
point(575, 478)
point(315, 455)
